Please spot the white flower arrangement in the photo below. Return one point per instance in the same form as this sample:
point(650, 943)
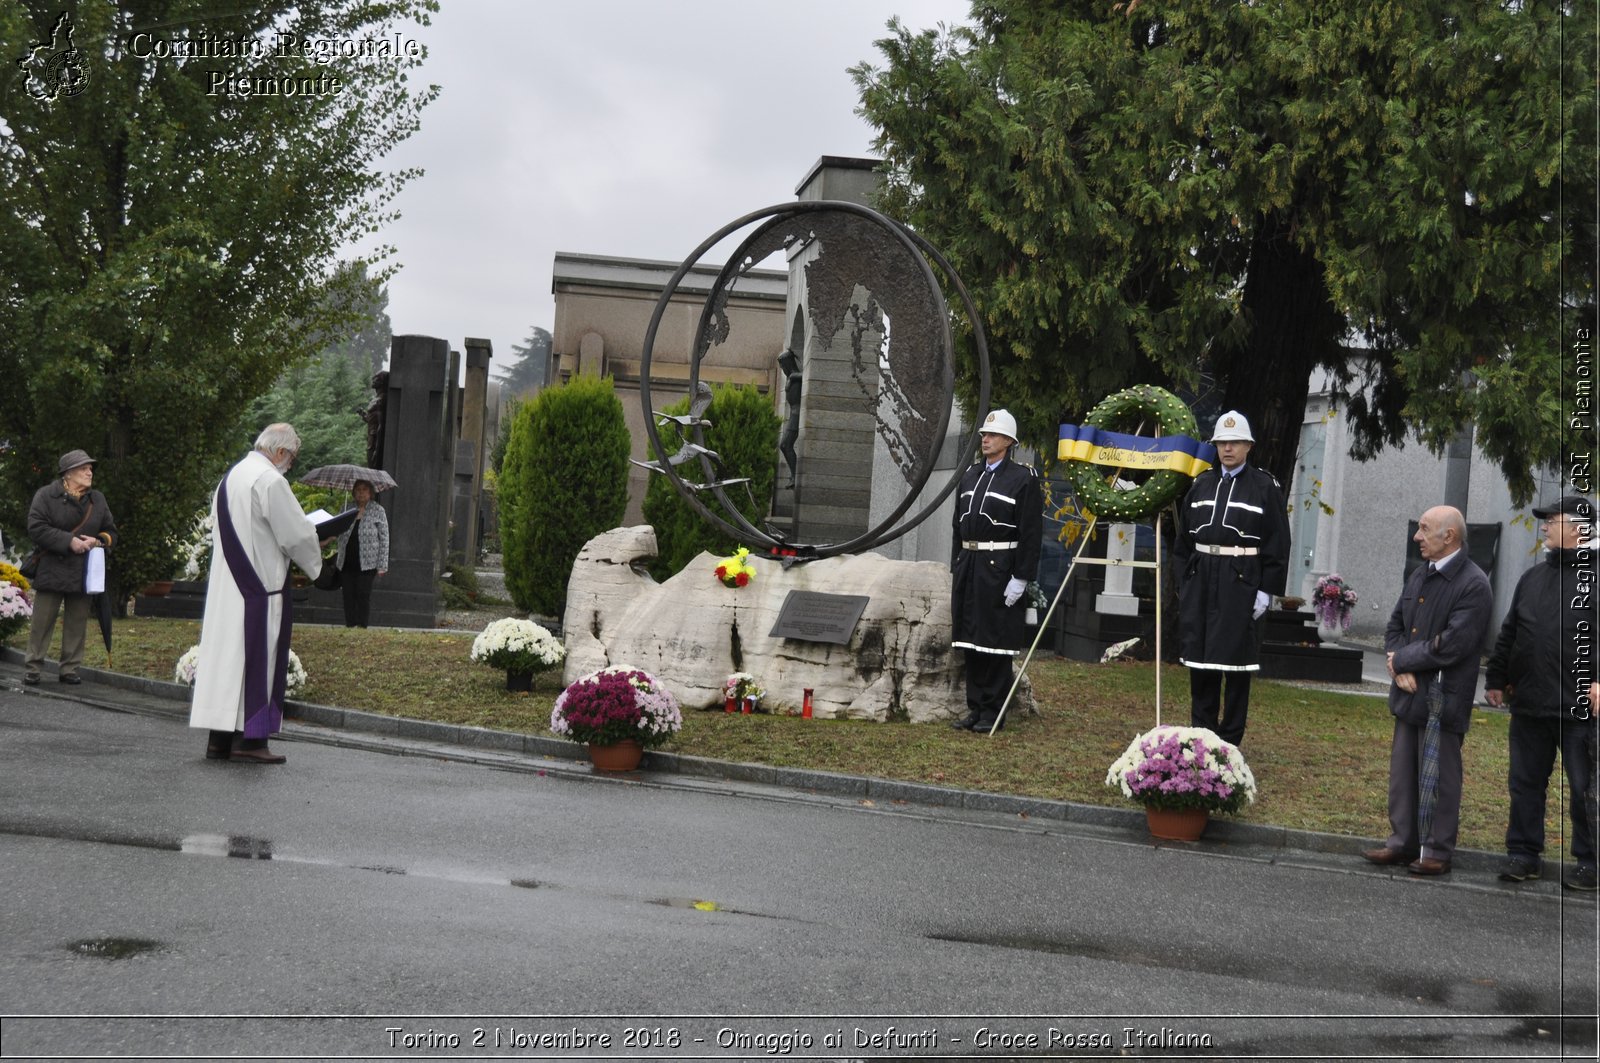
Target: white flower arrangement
point(294, 682)
point(518, 645)
point(194, 553)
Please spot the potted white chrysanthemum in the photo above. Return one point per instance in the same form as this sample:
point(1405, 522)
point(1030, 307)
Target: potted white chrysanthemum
point(294, 680)
point(521, 647)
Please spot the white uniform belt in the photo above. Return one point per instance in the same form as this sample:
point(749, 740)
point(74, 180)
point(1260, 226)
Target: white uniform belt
point(1227, 551)
point(967, 544)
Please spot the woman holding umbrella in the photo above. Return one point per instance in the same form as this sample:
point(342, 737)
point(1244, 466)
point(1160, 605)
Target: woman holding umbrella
point(363, 554)
point(67, 519)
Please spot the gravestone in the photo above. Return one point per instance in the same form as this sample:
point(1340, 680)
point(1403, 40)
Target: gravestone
point(418, 429)
point(469, 448)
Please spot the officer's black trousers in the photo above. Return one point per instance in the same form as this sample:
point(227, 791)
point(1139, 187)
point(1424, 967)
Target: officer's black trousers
point(988, 683)
point(1206, 698)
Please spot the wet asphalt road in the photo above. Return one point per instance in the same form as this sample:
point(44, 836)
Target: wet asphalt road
point(362, 904)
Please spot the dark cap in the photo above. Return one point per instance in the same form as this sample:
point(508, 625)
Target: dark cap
point(1572, 505)
point(72, 459)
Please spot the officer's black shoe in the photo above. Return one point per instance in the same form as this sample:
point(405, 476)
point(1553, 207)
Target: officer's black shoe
point(985, 725)
point(966, 723)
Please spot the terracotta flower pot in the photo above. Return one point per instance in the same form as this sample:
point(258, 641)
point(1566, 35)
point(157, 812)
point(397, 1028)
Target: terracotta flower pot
point(618, 756)
point(1176, 824)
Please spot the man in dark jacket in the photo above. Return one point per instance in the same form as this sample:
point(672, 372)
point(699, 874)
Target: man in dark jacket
point(67, 520)
point(1232, 550)
point(1537, 669)
point(998, 525)
point(1435, 637)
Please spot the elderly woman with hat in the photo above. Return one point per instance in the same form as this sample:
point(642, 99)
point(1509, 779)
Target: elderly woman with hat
point(68, 519)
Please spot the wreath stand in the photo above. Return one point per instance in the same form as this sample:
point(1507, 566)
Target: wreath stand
point(1044, 622)
point(1171, 417)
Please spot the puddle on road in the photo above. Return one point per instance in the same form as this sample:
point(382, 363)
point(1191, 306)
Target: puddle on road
point(244, 847)
point(114, 948)
point(234, 845)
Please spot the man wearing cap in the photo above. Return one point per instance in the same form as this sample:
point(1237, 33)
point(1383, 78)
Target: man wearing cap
point(258, 528)
point(1232, 550)
point(1542, 667)
point(998, 523)
point(66, 520)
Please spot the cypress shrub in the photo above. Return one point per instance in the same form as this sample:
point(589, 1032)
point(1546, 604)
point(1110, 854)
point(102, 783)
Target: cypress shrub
point(563, 481)
point(744, 432)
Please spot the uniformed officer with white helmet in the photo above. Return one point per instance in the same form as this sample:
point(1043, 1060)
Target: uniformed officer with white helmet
point(998, 527)
point(1232, 552)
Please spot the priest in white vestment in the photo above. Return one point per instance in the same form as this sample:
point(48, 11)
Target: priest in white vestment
point(258, 529)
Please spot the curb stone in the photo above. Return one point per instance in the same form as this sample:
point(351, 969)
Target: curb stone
point(354, 721)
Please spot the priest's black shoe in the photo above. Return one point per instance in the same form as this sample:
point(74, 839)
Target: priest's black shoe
point(262, 755)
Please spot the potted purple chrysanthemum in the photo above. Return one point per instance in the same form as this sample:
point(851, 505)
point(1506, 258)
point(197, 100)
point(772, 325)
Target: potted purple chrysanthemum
point(618, 713)
point(1181, 775)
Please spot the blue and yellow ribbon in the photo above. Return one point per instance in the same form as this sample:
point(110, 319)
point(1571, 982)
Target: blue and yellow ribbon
point(1118, 449)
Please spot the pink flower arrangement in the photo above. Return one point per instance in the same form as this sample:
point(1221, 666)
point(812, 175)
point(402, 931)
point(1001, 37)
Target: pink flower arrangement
point(1333, 601)
point(15, 608)
point(613, 704)
point(1184, 767)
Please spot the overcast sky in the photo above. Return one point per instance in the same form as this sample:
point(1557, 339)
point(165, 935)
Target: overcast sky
point(614, 127)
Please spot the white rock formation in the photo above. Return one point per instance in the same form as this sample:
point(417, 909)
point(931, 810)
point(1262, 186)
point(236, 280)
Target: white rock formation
point(692, 632)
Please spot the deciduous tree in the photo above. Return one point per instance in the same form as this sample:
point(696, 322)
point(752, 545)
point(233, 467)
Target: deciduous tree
point(169, 241)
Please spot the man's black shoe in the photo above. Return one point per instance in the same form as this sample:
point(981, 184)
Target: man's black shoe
point(70, 678)
point(966, 723)
point(32, 679)
point(1582, 878)
point(1520, 869)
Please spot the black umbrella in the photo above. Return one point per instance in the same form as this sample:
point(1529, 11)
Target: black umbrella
point(102, 608)
point(1428, 774)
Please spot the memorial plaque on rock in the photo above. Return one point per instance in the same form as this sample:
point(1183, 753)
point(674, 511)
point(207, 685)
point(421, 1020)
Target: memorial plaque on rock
point(816, 617)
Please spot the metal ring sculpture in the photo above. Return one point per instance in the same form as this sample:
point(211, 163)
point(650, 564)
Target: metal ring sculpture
point(1172, 418)
point(744, 259)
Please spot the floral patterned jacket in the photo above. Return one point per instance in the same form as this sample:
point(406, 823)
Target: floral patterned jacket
point(373, 532)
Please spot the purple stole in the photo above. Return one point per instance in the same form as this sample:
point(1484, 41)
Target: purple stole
point(263, 709)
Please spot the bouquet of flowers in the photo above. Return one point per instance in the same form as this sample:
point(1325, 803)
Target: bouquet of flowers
point(189, 664)
point(736, 571)
point(16, 607)
point(741, 685)
point(1333, 601)
point(614, 704)
point(1183, 767)
point(518, 645)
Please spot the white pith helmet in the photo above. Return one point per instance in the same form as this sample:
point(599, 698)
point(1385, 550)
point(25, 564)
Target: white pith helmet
point(1001, 423)
point(1232, 426)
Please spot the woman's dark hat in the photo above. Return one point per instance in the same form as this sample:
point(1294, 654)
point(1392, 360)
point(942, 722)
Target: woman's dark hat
point(1571, 505)
point(72, 459)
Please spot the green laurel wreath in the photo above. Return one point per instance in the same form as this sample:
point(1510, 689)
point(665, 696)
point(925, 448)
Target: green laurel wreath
point(1121, 412)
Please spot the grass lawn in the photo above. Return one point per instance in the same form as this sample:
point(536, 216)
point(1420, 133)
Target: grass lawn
point(1321, 759)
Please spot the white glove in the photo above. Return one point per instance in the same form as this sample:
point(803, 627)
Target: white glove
point(1014, 590)
point(1262, 600)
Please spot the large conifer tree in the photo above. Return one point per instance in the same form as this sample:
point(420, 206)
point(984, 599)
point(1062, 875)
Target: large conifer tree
point(1228, 195)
